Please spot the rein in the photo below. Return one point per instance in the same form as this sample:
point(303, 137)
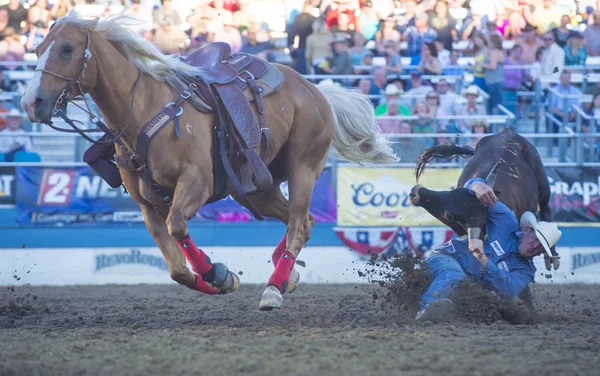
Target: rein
point(62, 101)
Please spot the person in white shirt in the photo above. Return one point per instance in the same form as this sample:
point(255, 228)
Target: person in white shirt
point(11, 144)
point(553, 61)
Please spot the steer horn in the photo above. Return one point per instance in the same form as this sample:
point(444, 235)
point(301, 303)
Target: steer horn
point(491, 178)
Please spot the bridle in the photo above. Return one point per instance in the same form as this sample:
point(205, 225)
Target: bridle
point(60, 105)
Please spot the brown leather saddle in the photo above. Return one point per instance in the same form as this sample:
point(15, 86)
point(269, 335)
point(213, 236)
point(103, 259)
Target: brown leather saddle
point(234, 81)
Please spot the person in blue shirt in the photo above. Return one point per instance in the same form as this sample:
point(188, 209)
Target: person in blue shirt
point(503, 261)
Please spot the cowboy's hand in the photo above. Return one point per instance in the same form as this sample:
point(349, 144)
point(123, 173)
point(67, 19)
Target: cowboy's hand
point(485, 194)
point(476, 248)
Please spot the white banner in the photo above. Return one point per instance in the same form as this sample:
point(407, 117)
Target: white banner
point(97, 266)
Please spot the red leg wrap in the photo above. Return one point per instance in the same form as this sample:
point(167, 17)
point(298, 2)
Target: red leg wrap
point(204, 287)
point(279, 250)
point(197, 258)
point(281, 275)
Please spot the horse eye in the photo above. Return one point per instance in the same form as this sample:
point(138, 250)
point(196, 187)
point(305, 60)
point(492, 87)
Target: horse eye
point(67, 50)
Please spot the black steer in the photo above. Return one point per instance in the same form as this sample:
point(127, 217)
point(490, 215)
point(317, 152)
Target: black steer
point(506, 157)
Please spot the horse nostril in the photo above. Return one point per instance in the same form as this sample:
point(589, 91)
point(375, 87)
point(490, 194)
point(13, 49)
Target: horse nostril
point(38, 102)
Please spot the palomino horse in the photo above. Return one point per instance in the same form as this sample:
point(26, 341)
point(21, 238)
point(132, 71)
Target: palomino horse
point(130, 81)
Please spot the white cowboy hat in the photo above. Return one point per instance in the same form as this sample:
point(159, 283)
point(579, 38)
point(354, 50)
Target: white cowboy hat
point(328, 82)
point(391, 89)
point(474, 90)
point(14, 112)
point(547, 233)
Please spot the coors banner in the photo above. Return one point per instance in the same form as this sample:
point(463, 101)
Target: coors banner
point(575, 194)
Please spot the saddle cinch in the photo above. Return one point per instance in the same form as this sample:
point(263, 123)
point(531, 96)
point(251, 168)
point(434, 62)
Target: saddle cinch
point(226, 86)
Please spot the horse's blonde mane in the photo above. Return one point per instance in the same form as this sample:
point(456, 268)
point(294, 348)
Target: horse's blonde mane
point(142, 54)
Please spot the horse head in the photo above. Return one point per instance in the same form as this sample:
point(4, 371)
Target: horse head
point(64, 70)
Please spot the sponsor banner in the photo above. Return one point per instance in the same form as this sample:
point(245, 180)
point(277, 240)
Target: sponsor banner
point(7, 185)
point(575, 194)
point(76, 196)
point(379, 196)
point(146, 265)
point(100, 266)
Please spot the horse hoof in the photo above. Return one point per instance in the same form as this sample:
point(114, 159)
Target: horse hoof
point(271, 299)
point(223, 279)
point(293, 280)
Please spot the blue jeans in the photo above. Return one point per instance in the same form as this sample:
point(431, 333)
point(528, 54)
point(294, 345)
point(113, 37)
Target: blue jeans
point(446, 272)
point(495, 92)
point(480, 81)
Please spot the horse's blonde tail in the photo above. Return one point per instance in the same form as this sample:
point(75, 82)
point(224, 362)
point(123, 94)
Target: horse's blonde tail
point(357, 136)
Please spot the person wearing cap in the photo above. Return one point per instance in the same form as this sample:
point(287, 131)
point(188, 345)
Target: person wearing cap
point(575, 53)
point(340, 62)
point(471, 108)
point(391, 92)
point(530, 43)
point(591, 36)
point(10, 143)
point(502, 262)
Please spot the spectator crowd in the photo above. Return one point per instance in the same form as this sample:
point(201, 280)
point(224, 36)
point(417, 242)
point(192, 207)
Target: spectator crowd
point(406, 55)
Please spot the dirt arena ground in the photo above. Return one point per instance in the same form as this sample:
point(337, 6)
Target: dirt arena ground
point(322, 330)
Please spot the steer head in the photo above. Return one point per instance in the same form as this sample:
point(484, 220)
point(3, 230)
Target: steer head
point(457, 209)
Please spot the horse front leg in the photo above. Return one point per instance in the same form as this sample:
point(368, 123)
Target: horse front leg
point(190, 194)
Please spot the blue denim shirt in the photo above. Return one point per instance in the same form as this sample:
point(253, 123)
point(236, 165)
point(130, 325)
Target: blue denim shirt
point(507, 271)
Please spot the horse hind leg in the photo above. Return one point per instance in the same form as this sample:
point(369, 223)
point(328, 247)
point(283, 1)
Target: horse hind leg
point(272, 203)
point(300, 223)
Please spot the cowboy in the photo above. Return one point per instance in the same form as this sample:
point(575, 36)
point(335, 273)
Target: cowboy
point(503, 261)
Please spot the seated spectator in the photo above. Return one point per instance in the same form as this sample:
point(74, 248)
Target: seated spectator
point(429, 64)
point(392, 94)
point(387, 32)
point(344, 27)
point(419, 34)
point(514, 80)
point(11, 43)
point(417, 87)
point(318, 44)
point(39, 12)
point(530, 43)
point(358, 50)
point(17, 15)
point(341, 62)
point(3, 21)
point(408, 149)
point(137, 11)
point(407, 19)
point(592, 126)
point(444, 24)
point(591, 36)
point(575, 53)
point(367, 21)
point(228, 33)
point(472, 25)
point(557, 105)
point(393, 60)
point(448, 98)
point(553, 61)
point(165, 14)
point(364, 85)
point(561, 33)
point(378, 84)
point(62, 7)
point(423, 124)
point(12, 144)
point(170, 39)
point(36, 35)
point(367, 63)
point(516, 23)
point(479, 127)
point(471, 108)
point(454, 69)
point(251, 45)
point(443, 54)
